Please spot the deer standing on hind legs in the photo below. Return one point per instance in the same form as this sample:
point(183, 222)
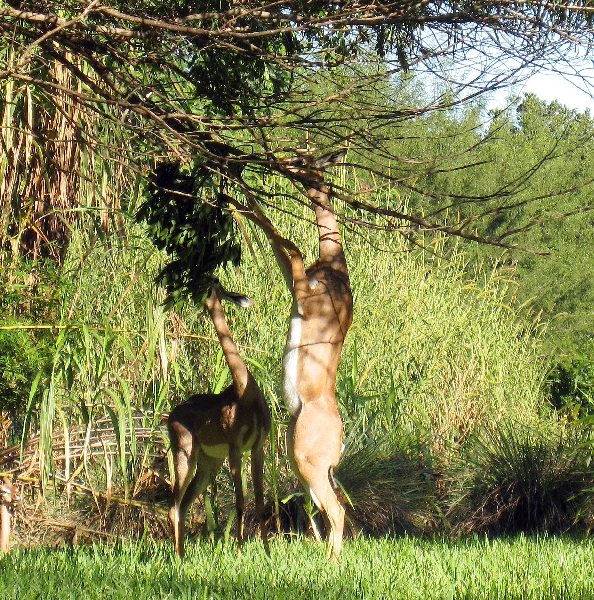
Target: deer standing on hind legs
point(321, 315)
point(9, 496)
point(208, 428)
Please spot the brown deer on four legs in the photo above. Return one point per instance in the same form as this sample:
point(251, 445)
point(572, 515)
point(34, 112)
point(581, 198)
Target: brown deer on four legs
point(9, 496)
point(208, 428)
point(321, 315)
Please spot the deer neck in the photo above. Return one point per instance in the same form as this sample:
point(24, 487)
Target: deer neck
point(239, 371)
point(4, 527)
point(330, 241)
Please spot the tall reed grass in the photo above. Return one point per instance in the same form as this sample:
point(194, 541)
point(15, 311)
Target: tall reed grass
point(434, 354)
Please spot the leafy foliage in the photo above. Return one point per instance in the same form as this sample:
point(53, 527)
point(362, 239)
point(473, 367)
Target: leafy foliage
point(30, 296)
point(525, 180)
point(20, 360)
point(197, 233)
point(239, 79)
point(554, 146)
point(571, 386)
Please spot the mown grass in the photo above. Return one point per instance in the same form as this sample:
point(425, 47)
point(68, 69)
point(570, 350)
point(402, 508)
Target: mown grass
point(391, 568)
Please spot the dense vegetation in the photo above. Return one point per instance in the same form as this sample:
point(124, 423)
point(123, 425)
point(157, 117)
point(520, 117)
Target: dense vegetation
point(533, 150)
point(449, 420)
point(458, 418)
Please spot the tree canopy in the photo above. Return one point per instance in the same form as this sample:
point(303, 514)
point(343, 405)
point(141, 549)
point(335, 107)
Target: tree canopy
point(233, 89)
point(228, 82)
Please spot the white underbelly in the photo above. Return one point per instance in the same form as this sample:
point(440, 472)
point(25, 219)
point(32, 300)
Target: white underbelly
point(290, 365)
point(222, 450)
point(216, 451)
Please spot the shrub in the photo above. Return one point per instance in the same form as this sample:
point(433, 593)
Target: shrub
point(571, 387)
point(20, 359)
point(388, 485)
point(515, 478)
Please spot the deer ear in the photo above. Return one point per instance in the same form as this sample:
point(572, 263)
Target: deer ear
point(328, 160)
point(239, 299)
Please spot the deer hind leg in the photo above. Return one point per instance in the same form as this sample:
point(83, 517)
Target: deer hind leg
point(193, 472)
point(235, 468)
point(258, 481)
point(313, 457)
point(184, 465)
point(334, 517)
point(324, 497)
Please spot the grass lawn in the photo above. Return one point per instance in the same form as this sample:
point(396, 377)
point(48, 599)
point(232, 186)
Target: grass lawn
point(536, 567)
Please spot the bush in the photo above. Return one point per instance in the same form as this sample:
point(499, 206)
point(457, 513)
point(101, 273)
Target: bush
point(514, 478)
point(571, 387)
point(20, 359)
point(388, 485)
point(28, 298)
